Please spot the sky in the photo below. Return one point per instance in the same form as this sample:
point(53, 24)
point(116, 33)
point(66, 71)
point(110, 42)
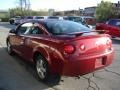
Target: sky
point(58, 5)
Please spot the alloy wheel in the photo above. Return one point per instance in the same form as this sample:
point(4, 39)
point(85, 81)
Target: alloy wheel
point(41, 68)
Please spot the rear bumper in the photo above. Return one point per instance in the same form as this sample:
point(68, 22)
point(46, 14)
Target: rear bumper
point(86, 65)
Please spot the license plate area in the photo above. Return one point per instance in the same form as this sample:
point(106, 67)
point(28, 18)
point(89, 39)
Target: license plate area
point(99, 62)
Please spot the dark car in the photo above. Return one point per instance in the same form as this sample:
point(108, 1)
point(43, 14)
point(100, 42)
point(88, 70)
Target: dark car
point(77, 19)
point(13, 20)
point(55, 17)
point(60, 47)
point(112, 27)
point(39, 17)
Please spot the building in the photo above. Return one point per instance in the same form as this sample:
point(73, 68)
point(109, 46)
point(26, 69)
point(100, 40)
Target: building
point(72, 12)
point(89, 11)
point(116, 8)
point(69, 12)
point(81, 12)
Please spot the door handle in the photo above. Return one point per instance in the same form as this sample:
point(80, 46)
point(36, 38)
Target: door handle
point(21, 42)
point(23, 38)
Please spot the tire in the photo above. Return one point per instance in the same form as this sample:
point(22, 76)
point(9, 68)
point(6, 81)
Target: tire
point(42, 68)
point(11, 21)
point(9, 49)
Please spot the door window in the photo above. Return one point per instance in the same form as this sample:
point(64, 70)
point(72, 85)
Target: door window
point(24, 28)
point(36, 30)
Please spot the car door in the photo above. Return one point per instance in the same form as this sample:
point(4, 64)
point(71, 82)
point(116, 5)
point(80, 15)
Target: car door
point(20, 37)
point(113, 27)
point(34, 33)
point(115, 31)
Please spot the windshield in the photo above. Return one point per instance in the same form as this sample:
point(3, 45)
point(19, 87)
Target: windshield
point(65, 27)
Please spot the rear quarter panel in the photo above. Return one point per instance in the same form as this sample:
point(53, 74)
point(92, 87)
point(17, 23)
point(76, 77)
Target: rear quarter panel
point(49, 48)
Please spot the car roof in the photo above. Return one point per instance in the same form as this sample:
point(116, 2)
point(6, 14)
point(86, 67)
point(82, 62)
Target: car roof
point(47, 20)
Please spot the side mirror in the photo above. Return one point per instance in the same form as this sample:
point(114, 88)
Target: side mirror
point(12, 31)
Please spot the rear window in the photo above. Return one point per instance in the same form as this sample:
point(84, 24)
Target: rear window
point(114, 22)
point(52, 17)
point(76, 19)
point(17, 17)
point(29, 17)
point(39, 17)
point(65, 27)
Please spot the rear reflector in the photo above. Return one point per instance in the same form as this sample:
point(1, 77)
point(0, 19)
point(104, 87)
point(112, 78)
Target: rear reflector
point(82, 47)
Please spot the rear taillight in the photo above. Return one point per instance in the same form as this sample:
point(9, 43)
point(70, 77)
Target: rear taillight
point(82, 47)
point(69, 49)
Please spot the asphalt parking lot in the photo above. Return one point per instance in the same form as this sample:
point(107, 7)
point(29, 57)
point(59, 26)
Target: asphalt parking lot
point(16, 74)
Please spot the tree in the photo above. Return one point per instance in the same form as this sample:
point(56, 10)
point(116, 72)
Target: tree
point(17, 12)
point(104, 11)
point(23, 9)
point(24, 5)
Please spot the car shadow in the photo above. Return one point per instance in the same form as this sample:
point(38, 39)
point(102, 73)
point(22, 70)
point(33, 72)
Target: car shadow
point(116, 41)
point(30, 67)
point(13, 75)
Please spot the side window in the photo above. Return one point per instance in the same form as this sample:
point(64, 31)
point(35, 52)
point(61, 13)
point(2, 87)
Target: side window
point(24, 28)
point(36, 30)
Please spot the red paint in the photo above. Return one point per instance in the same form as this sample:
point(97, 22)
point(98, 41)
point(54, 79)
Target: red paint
point(110, 29)
point(69, 56)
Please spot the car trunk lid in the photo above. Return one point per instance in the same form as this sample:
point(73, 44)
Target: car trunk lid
point(91, 43)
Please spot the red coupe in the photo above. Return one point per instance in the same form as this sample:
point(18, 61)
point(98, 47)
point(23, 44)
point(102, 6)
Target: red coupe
point(60, 47)
point(112, 27)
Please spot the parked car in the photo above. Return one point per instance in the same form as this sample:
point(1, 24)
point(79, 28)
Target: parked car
point(60, 47)
point(12, 20)
point(89, 20)
point(27, 18)
point(112, 27)
point(77, 19)
point(73, 18)
point(19, 21)
point(40, 17)
point(23, 19)
point(55, 17)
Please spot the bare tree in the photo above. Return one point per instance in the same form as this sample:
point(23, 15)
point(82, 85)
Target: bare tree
point(24, 5)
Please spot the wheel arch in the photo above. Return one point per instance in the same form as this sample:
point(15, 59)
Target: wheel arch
point(43, 53)
point(7, 39)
